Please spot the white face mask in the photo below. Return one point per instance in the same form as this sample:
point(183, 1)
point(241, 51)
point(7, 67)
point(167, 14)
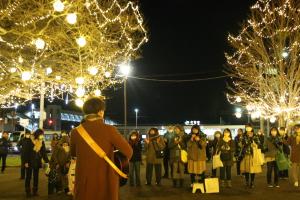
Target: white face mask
point(41, 137)
point(249, 129)
point(133, 137)
point(27, 136)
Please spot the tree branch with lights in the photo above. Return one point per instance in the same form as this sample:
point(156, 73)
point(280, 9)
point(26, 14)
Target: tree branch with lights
point(264, 61)
point(65, 47)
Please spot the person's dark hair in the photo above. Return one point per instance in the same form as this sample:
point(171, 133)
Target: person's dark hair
point(195, 127)
point(93, 106)
point(273, 128)
point(37, 133)
point(155, 130)
point(228, 130)
point(282, 128)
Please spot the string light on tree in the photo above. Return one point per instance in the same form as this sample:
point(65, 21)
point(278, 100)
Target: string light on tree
point(58, 6)
point(26, 76)
point(40, 43)
point(81, 41)
point(80, 92)
point(259, 77)
point(93, 70)
point(79, 102)
point(72, 18)
point(97, 93)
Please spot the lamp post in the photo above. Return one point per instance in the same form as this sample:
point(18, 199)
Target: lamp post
point(125, 70)
point(32, 116)
point(136, 117)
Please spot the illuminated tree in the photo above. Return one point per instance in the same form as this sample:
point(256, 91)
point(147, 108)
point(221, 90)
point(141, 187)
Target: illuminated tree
point(264, 61)
point(54, 48)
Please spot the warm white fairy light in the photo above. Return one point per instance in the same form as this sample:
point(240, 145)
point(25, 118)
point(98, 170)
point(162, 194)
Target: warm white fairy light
point(58, 6)
point(40, 43)
point(93, 70)
point(13, 70)
point(72, 18)
point(81, 41)
point(80, 92)
point(59, 48)
point(26, 76)
point(48, 70)
point(79, 102)
point(260, 77)
point(79, 80)
point(97, 93)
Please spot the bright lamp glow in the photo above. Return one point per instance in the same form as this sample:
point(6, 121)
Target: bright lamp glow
point(20, 59)
point(136, 110)
point(80, 92)
point(125, 69)
point(97, 93)
point(26, 76)
point(58, 78)
point(81, 41)
point(58, 6)
point(79, 80)
point(239, 110)
point(93, 70)
point(238, 115)
point(39, 43)
point(72, 18)
point(79, 102)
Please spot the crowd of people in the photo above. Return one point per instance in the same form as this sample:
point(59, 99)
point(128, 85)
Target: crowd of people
point(180, 153)
point(176, 153)
point(33, 151)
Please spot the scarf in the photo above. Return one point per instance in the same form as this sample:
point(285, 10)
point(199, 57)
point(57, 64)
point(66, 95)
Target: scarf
point(37, 144)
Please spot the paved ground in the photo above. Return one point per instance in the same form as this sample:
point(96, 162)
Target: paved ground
point(11, 188)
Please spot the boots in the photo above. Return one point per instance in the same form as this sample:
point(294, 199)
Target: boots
point(28, 192)
point(229, 184)
point(34, 192)
point(222, 183)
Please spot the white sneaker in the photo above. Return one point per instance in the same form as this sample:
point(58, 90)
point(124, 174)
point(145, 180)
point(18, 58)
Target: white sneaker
point(296, 184)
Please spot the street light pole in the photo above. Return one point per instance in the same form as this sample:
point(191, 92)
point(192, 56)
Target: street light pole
point(136, 117)
point(125, 106)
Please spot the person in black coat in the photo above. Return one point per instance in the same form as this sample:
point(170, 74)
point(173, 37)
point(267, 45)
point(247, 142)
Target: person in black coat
point(4, 145)
point(135, 162)
point(34, 151)
point(21, 143)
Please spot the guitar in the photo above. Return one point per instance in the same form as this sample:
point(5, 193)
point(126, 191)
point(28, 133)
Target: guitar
point(122, 163)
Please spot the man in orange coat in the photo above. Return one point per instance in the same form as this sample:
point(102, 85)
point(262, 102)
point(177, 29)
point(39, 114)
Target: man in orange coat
point(94, 178)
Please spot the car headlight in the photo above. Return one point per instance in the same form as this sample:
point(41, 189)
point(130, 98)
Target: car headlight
point(16, 149)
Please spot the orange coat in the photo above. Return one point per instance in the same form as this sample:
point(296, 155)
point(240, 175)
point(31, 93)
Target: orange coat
point(94, 178)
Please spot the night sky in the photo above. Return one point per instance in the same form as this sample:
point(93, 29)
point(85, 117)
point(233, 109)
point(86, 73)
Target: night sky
point(187, 40)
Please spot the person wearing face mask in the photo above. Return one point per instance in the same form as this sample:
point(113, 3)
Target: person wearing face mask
point(60, 163)
point(54, 141)
point(226, 148)
point(21, 143)
point(168, 137)
point(238, 147)
point(4, 145)
point(153, 144)
point(261, 136)
point(250, 143)
point(196, 148)
point(284, 174)
point(294, 142)
point(34, 152)
point(178, 143)
point(272, 146)
point(213, 145)
point(135, 161)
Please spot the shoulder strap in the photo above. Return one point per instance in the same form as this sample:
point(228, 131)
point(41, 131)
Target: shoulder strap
point(97, 149)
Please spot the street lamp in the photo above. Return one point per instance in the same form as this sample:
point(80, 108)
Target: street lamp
point(136, 117)
point(125, 70)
